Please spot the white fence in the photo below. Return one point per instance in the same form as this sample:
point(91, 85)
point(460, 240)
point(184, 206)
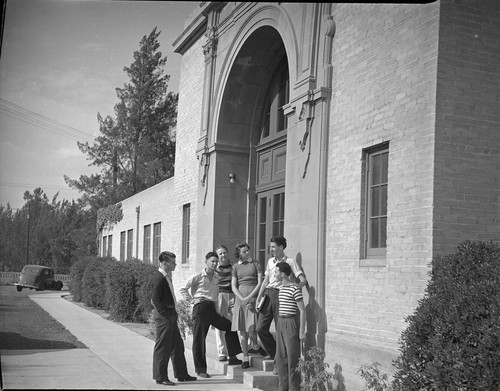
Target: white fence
point(10, 278)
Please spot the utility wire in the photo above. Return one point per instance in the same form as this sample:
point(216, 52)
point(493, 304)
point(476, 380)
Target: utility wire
point(24, 185)
point(27, 116)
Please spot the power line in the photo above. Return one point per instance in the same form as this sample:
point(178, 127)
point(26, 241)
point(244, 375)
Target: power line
point(30, 117)
point(24, 185)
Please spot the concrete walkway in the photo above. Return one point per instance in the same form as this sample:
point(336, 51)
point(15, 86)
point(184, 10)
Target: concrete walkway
point(116, 358)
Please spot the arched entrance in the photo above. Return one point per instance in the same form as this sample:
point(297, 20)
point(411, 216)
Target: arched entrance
point(251, 142)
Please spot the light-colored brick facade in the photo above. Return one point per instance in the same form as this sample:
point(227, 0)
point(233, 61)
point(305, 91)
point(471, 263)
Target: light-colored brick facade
point(420, 79)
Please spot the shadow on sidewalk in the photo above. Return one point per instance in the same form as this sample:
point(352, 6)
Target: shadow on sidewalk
point(16, 341)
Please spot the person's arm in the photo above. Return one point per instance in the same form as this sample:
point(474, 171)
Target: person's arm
point(256, 290)
point(302, 280)
point(263, 287)
point(302, 329)
point(158, 287)
point(234, 285)
point(186, 289)
point(299, 273)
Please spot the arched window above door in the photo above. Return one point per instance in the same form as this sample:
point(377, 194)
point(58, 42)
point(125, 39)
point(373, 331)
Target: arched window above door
point(274, 122)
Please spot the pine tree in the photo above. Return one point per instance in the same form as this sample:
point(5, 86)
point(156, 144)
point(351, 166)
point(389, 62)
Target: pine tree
point(136, 148)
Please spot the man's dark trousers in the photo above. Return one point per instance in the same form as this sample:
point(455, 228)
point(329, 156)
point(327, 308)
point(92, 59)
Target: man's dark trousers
point(204, 316)
point(168, 344)
point(268, 313)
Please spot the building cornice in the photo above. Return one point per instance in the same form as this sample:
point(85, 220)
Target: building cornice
point(197, 27)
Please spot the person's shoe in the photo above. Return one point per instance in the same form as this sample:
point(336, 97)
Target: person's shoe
point(187, 378)
point(253, 351)
point(268, 357)
point(245, 365)
point(165, 382)
point(222, 358)
point(204, 375)
point(262, 352)
point(275, 371)
point(234, 361)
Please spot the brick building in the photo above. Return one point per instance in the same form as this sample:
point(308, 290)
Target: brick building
point(367, 134)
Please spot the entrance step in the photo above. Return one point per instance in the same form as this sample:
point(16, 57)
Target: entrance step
point(259, 375)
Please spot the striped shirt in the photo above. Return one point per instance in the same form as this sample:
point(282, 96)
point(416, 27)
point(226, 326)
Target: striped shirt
point(225, 273)
point(288, 297)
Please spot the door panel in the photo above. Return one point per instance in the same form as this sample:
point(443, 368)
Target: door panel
point(271, 218)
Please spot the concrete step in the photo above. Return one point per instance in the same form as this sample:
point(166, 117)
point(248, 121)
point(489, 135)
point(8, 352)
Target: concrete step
point(259, 375)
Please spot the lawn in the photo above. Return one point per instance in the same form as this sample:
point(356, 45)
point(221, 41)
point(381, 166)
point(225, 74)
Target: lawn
point(25, 325)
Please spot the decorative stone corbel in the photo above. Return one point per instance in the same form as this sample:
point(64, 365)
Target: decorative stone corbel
point(210, 46)
point(307, 113)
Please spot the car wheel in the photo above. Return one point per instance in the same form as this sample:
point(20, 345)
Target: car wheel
point(59, 285)
point(19, 288)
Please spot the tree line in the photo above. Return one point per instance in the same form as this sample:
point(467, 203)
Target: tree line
point(135, 150)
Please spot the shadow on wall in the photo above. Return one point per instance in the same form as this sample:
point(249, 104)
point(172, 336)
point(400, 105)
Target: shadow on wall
point(316, 321)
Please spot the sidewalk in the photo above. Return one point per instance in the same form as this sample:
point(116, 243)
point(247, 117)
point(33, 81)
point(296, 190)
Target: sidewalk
point(116, 358)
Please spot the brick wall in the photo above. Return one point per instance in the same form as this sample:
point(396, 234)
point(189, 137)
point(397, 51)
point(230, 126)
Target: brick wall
point(155, 205)
point(186, 163)
point(384, 61)
point(467, 181)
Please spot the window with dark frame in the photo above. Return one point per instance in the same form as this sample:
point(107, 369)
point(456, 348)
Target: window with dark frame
point(130, 243)
point(377, 167)
point(104, 246)
point(146, 250)
point(110, 246)
point(122, 245)
point(274, 121)
point(156, 242)
point(186, 229)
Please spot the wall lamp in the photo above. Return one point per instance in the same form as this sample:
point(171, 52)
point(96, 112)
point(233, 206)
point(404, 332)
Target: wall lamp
point(232, 177)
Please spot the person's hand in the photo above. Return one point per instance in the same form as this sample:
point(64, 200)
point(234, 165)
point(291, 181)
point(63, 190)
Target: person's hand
point(302, 336)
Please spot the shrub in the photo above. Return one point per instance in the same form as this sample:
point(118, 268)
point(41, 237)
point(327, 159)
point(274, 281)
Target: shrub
point(76, 272)
point(120, 287)
point(453, 338)
point(95, 293)
point(315, 375)
point(185, 320)
point(143, 273)
point(374, 378)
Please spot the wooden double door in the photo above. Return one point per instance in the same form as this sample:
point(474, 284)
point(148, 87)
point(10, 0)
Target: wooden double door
point(270, 206)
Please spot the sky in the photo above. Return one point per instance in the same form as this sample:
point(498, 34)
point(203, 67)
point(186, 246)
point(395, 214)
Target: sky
point(61, 61)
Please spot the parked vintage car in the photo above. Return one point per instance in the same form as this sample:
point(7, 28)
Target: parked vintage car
point(39, 278)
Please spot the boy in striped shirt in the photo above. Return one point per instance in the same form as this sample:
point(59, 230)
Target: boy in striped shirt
point(289, 335)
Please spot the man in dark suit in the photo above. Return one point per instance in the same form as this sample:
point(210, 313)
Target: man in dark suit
point(168, 338)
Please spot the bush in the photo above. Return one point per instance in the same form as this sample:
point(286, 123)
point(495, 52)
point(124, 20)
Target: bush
point(120, 287)
point(315, 375)
point(75, 285)
point(453, 338)
point(374, 379)
point(143, 273)
point(94, 289)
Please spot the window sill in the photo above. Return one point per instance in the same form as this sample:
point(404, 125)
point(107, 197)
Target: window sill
point(373, 262)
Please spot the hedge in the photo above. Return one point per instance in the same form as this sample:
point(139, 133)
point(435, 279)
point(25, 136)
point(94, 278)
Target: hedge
point(95, 293)
point(121, 288)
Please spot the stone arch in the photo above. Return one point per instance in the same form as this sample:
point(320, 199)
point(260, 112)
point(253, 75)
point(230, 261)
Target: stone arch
point(239, 94)
point(273, 27)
